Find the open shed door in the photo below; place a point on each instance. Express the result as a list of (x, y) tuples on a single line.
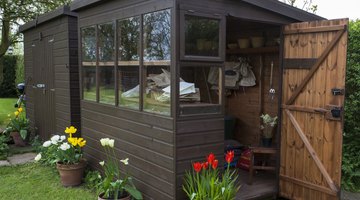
[(312, 109)]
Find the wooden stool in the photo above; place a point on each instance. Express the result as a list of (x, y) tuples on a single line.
[(259, 150)]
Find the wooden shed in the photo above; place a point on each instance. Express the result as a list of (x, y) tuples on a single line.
[(161, 76), (51, 72)]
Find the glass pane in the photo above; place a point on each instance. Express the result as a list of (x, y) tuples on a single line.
[(128, 70), (157, 53), (199, 90), (106, 42), (89, 83), (129, 90), (129, 39), (157, 90), (157, 32), (201, 36), (88, 44), (107, 85)]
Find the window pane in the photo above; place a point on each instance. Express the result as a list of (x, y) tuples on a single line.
[(106, 42), (157, 53), (89, 82), (88, 41), (201, 36), (157, 90), (199, 90), (107, 85), (157, 32), (128, 66)]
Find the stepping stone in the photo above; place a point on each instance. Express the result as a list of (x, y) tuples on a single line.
[(21, 158), (4, 163)]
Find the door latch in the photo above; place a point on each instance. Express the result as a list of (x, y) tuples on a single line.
[(337, 91), (336, 112)]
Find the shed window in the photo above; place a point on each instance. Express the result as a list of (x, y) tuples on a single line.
[(129, 62), (157, 53), (88, 41), (106, 46)]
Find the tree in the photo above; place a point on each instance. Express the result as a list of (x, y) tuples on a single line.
[(16, 12), (307, 5)]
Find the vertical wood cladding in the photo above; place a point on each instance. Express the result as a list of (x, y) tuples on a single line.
[(60, 28)]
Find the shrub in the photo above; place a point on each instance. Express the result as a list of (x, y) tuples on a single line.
[(7, 87), (351, 145), (4, 148)]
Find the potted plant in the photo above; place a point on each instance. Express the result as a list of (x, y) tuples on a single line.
[(18, 127), (267, 127), (113, 185), (205, 182), (67, 154)]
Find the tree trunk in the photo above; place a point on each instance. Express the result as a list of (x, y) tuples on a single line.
[(5, 42)]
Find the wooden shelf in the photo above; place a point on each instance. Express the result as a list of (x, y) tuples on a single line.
[(260, 50)]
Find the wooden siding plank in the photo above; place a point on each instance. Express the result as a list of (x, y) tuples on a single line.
[(153, 120)]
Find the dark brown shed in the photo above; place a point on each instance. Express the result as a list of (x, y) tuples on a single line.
[(162, 77), (51, 71)]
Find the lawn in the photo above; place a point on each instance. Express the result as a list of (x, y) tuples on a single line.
[(6, 107), (35, 181)]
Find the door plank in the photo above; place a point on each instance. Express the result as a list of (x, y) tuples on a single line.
[(308, 185), (315, 29), (312, 152), (315, 67)]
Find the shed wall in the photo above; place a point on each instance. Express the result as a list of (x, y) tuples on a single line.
[(63, 30), (146, 139)]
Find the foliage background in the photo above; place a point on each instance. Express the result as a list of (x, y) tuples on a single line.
[(7, 87), (351, 144)]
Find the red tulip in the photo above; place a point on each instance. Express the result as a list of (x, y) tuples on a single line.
[(210, 158), (215, 164), (229, 156), (205, 165), (197, 166)]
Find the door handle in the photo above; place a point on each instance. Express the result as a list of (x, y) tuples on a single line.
[(52, 89)]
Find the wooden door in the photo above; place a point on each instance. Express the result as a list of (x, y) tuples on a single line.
[(312, 109), (44, 92)]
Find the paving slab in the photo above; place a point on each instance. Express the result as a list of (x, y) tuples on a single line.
[(4, 163), (21, 158)]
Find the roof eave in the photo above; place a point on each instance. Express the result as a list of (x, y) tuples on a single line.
[(63, 10)]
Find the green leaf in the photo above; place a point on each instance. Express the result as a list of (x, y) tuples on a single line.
[(136, 194), (23, 134)]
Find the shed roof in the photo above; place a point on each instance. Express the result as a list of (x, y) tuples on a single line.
[(63, 10), (271, 5)]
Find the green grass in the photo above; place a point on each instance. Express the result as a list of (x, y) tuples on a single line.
[(6, 107), (35, 181)]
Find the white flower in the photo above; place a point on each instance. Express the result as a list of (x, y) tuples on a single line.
[(55, 139), (111, 142), (104, 141), (62, 138), (222, 190), (193, 195), (47, 143), (125, 161), (37, 157), (102, 163), (64, 146)]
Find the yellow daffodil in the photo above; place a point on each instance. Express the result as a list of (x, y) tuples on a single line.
[(73, 141), (16, 113), (70, 130), (20, 110), (81, 142)]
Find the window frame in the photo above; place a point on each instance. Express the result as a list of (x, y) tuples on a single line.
[(222, 34)]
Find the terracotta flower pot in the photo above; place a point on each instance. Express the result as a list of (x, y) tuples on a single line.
[(71, 175), (127, 197), (18, 141)]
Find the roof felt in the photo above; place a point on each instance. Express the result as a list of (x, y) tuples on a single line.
[(63, 10), (271, 5)]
